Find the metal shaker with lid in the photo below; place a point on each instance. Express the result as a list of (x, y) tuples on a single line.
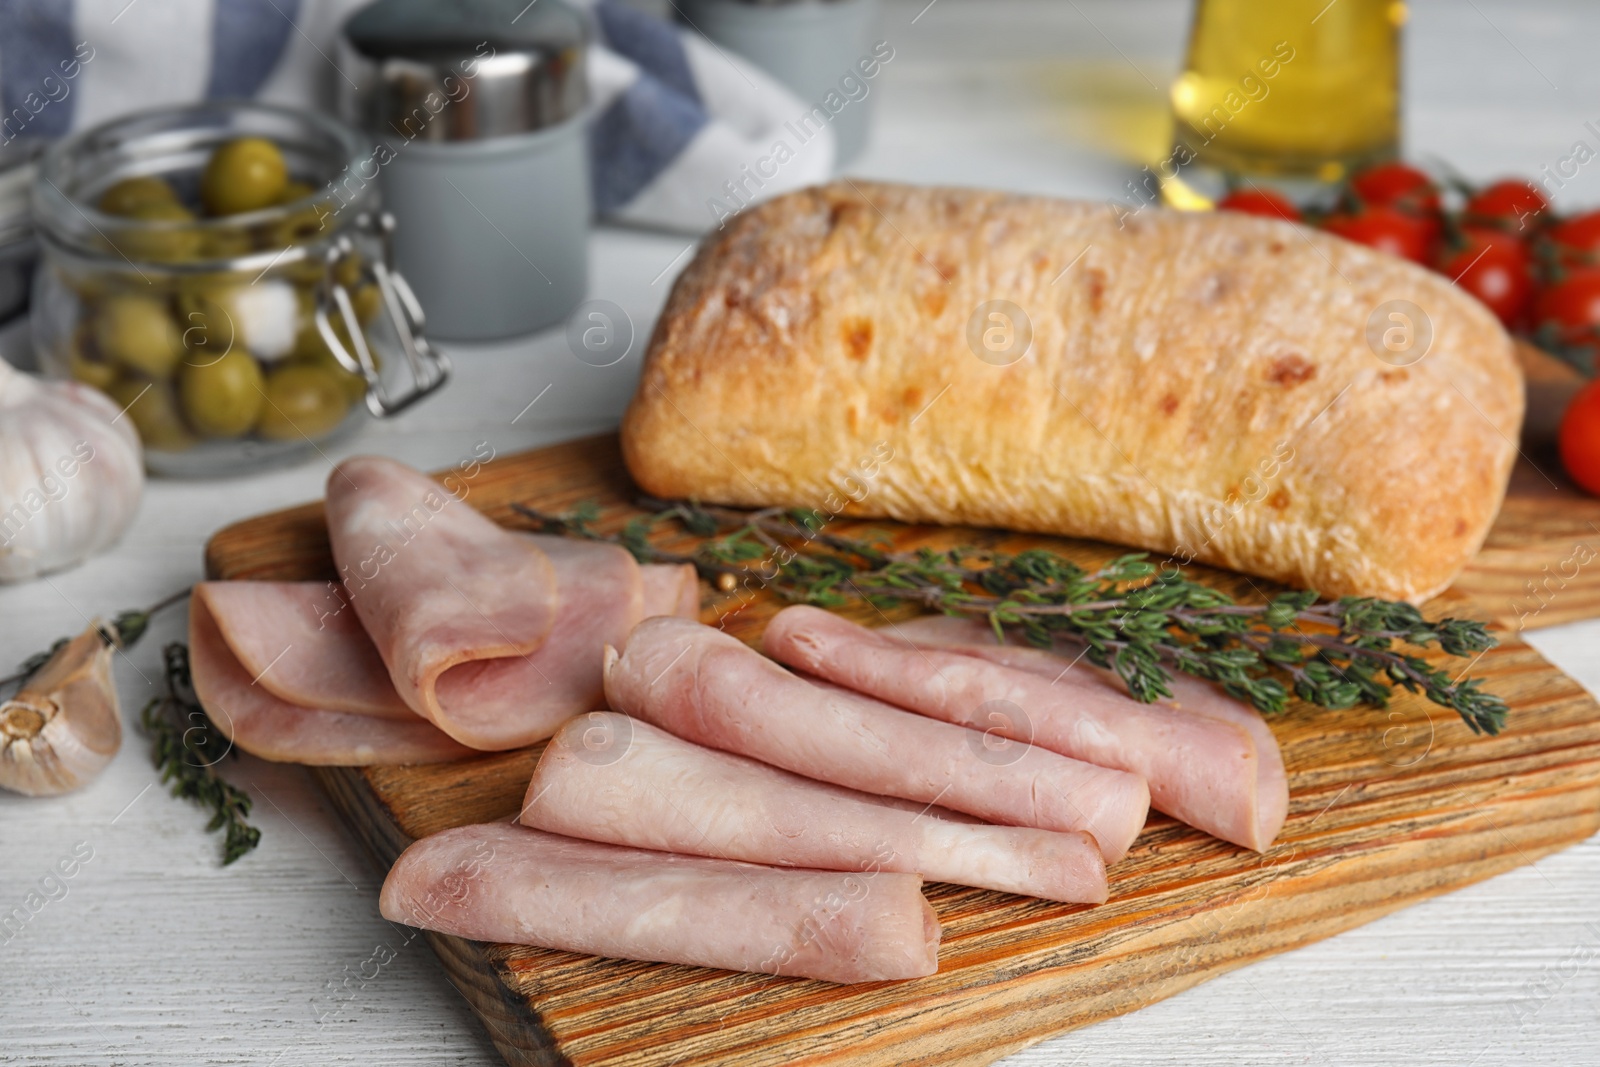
[(476, 107)]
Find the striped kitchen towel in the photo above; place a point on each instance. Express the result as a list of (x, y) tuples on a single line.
[(681, 133)]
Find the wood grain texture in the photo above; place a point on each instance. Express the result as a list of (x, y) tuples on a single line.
[(1540, 565), (1550, 385), (1387, 807)]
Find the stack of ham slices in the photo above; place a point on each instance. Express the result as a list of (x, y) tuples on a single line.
[(447, 633), (774, 813)]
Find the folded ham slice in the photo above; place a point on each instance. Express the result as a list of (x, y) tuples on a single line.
[(500, 882), (301, 642), (709, 688), (264, 725), (436, 585), (273, 630), (493, 636), (517, 700), (671, 589), (606, 777), (1202, 770), (1191, 695)]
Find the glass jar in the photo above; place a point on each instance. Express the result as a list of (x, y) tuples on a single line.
[(233, 341)]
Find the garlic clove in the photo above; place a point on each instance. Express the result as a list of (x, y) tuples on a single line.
[(64, 726)]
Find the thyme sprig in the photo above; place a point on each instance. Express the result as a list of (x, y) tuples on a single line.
[(1130, 615), (187, 746)]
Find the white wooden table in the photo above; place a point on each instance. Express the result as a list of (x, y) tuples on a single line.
[(156, 955)]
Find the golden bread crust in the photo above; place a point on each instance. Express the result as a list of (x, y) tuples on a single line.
[(1199, 385)]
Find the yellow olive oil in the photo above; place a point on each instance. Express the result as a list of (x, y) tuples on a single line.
[(1303, 88)]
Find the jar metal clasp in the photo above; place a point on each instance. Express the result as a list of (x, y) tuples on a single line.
[(429, 368)]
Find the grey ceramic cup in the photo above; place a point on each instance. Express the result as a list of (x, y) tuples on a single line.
[(494, 235), (811, 46), (478, 110)]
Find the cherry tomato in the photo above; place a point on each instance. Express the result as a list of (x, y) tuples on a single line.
[(1511, 202), (1572, 308), (1260, 202), (1579, 438), (1396, 185), (1495, 267), (1577, 239), (1387, 230)]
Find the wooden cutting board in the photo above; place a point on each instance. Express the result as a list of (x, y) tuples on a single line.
[(1387, 807), (1540, 565)]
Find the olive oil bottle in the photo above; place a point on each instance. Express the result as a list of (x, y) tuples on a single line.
[(1291, 88)]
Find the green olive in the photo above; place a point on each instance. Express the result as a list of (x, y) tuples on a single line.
[(308, 343), (305, 298), (150, 406), (297, 228), (197, 292), (130, 194), (310, 348), (367, 302), (243, 175), (137, 332), (88, 285), (306, 273), (91, 371), (208, 325), (303, 400), (165, 244), (347, 272), (226, 242), (222, 398), (84, 362)]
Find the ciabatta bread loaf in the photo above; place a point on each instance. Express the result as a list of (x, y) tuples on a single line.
[(1220, 387)]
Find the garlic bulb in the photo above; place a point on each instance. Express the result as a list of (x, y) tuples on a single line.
[(64, 726), (71, 472)]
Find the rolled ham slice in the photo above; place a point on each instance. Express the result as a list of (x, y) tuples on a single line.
[(707, 687), (671, 589), (1202, 770), (439, 587), (607, 777), (507, 883), (1189, 695), (263, 725), (302, 642)]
